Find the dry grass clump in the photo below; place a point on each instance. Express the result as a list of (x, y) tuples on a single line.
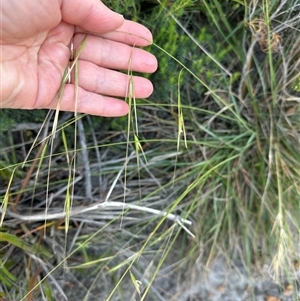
[(208, 168)]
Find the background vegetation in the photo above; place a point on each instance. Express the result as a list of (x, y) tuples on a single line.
[(206, 167)]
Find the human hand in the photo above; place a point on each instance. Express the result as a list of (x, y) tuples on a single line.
[(35, 42)]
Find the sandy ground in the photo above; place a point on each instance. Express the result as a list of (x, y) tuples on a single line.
[(217, 282)]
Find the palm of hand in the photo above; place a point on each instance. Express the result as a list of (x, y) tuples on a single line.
[(36, 57), (35, 42)]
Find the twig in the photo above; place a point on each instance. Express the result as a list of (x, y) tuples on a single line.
[(85, 160), (104, 205), (98, 154)]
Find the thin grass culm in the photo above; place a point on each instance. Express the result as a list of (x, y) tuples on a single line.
[(195, 195)]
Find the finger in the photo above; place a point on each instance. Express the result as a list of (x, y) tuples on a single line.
[(115, 55), (90, 103), (109, 82), (91, 15), (130, 33)]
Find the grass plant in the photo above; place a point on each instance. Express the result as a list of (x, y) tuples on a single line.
[(207, 166)]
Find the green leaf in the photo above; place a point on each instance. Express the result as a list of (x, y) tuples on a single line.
[(20, 243)]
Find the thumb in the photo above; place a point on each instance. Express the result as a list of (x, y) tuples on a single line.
[(90, 15)]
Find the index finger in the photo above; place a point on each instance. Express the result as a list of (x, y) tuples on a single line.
[(130, 33), (92, 15)]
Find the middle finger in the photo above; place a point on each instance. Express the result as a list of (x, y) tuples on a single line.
[(115, 55)]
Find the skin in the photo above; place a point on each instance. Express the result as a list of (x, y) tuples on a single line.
[(35, 39)]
